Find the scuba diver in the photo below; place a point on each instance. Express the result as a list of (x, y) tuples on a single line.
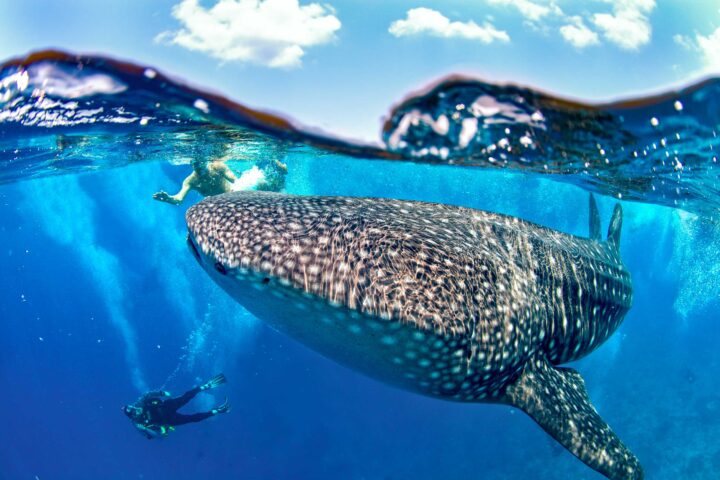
[(155, 414)]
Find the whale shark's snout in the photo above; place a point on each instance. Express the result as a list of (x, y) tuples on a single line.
[(254, 233), (210, 230)]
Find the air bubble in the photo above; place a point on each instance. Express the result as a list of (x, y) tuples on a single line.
[(201, 105)]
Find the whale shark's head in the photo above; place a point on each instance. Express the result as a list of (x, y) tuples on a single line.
[(262, 237), (267, 248), (222, 236), (351, 278)]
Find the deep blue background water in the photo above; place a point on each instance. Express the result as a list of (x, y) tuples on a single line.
[(99, 298)]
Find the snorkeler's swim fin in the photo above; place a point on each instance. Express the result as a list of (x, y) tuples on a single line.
[(224, 408), (216, 381)]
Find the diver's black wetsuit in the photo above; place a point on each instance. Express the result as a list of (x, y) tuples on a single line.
[(156, 413), (161, 411)]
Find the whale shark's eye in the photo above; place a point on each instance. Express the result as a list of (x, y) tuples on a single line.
[(265, 281), (220, 268)]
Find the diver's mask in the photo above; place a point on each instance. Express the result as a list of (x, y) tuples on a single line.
[(132, 411)]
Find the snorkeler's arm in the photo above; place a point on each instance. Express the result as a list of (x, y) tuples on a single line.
[(186, 186), (178, 197), (228, 174), (281, 166)]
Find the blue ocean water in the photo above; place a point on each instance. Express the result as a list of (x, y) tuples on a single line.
[(100, 300)]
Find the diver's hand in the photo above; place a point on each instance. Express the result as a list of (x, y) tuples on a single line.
[(148, 432), (163, 196)]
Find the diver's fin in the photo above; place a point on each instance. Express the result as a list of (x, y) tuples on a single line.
[(613, 238), (556, 399), (594, 219), (224, 408), (214, 382)]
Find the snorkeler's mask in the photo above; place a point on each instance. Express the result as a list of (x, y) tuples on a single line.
[(200, 166)]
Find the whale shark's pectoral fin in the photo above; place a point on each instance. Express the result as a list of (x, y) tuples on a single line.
[(557, 400)]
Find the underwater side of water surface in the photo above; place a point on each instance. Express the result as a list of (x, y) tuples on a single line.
[(99, 298)]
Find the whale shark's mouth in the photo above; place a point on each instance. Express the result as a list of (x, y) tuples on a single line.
[(219, 266), (193, 248)]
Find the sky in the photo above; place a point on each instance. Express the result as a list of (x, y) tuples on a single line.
[(340, 65)]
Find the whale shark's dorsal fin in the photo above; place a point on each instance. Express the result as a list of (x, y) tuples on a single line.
[(557, 400), (594, 219), (613, 238)]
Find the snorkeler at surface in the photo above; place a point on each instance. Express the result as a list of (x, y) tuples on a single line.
[(207, 178), (215, 178), (155, 414)]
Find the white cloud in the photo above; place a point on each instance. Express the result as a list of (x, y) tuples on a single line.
[(624, 23), (274, 33), (533, 11), (425, 21), (628, 26), (707, 45), (710, 49), (577, 34), (684, 41)]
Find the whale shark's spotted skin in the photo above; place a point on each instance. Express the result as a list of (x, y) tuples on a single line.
[(446, 301)]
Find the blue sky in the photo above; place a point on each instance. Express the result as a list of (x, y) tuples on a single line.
[(340, 65)]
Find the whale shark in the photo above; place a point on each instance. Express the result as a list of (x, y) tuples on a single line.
[(446, 301)]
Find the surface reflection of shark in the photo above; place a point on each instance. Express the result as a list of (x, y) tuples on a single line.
[(446, 301)]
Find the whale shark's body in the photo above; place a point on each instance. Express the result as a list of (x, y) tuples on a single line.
[(446, 301)]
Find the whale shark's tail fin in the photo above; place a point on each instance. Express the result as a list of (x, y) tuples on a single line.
[(613, 238), (594, 219), (557, 400)]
